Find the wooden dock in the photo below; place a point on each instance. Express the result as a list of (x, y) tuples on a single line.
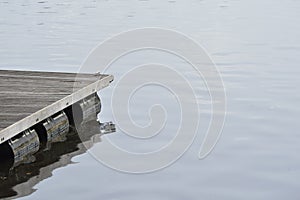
[(27, 98)]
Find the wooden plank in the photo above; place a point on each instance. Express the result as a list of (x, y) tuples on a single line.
[(28, 97)]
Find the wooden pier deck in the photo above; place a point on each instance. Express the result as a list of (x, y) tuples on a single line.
[(27, 97)]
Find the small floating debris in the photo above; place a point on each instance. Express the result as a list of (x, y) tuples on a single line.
[(107, 127)]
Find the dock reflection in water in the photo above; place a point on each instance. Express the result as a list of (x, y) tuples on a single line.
[(18, 181)]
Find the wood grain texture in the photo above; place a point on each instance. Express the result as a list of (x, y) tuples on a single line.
[(23, 93)]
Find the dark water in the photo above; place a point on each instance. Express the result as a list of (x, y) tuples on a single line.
[(18, 181), (255, 45)]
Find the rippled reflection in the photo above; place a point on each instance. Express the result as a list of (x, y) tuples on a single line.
[(19, 181)]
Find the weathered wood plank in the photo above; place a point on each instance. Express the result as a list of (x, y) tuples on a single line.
[(28, 97)]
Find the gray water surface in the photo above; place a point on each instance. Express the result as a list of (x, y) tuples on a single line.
[(256, 47)]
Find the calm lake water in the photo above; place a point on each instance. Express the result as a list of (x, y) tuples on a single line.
[(256, 47)]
